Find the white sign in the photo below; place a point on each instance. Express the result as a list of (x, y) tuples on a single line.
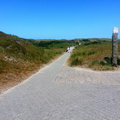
[(115, 30)]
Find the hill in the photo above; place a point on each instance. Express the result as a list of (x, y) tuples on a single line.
[(21, 57)]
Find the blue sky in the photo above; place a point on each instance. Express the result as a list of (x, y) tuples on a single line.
[(59, 19)]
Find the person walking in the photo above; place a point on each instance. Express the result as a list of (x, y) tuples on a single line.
[(68, 49)]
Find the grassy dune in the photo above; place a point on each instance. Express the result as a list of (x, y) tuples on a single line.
[(19, 57), (95, 55)]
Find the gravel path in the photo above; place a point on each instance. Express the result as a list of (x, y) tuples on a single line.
[(58, 92)]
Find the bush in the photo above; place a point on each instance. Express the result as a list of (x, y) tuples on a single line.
[(76, 61), (118, 61)]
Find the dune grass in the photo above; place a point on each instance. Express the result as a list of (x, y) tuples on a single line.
[(19, 57), (94, 55)]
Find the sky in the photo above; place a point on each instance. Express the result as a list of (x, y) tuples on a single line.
[(59, 19)]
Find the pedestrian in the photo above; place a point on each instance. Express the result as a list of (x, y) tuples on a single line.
[(68, 49)]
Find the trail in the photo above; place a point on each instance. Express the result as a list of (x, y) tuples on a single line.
[(58, 92)]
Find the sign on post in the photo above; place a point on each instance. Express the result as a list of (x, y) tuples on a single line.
[(115, 46), (115, 30)]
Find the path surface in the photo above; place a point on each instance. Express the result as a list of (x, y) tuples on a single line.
[(59, 92)]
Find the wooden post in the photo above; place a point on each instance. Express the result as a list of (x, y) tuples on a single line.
[(115, 46)]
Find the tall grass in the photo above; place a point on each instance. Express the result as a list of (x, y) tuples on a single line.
[(92, 56)]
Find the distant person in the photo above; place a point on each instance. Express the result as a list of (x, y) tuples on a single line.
[(68, 49)]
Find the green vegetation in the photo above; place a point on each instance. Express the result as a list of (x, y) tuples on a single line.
[(93, 54), (20, 57), (53, 43)]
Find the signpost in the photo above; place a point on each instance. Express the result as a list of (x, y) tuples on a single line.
[(115, 46)]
